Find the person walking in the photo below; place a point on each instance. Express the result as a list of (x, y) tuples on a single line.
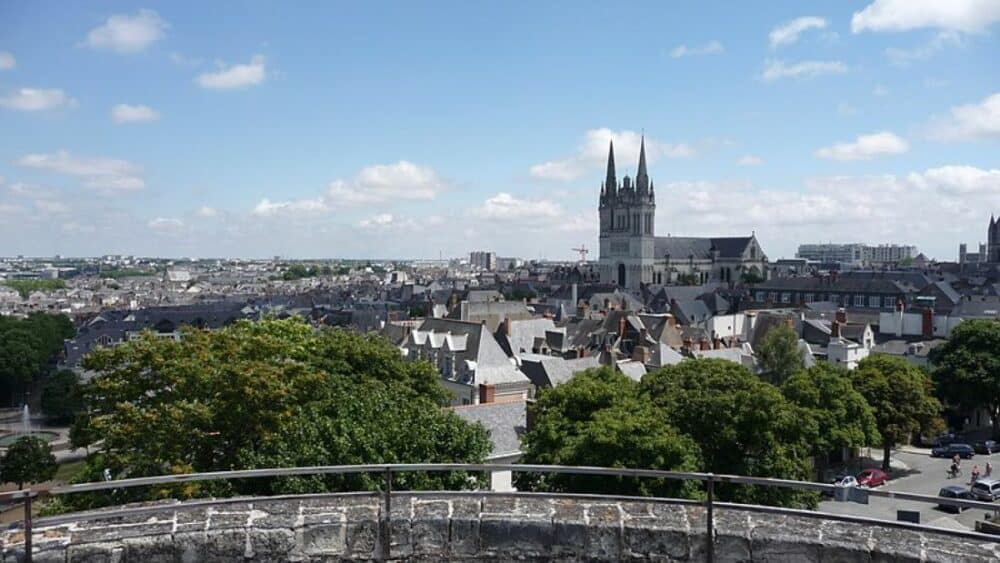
[(957, 459), (989, 469), (975, 474)]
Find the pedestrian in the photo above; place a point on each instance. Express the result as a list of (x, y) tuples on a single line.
[(989, 468), (975, 474), (957, 459)]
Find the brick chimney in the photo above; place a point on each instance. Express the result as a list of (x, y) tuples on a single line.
[(688, 343), (928, 323), (621, 327), (842, 316), (716, 341), (835, 329), (703, 345), (487, 393), (640, 354), (506, 326)]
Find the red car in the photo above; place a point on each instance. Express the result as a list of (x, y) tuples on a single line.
[(872, 478)]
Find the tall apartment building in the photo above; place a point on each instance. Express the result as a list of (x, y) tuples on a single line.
[(483, 259), (857, 254)]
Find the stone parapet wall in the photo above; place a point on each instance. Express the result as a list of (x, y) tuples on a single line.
[(479, 526)]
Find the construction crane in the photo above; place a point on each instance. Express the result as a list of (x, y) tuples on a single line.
[(583, 252)]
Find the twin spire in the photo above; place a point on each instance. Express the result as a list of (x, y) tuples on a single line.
[(642, 186)]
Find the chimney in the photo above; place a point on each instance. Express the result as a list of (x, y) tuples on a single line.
[(573, 294), (835, 329), (506, 326), (487, 393), (642, 335), (640, 354), (899, 318), (621, 327), (703, 345), (581, 352), (716, 341), (928, 323), (688, 343), (529, 418), (671, 321), (842, 316)]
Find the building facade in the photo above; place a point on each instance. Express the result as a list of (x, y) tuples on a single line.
[(857, 254), (632, 255), (484, 260)]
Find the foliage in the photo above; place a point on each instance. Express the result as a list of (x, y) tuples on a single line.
[(28, 345), (599, 418), (967, 368), (300, 271), (62, 397), (743, 426), (901, 397), (29, 286), (751, 277), (272, 392), (779, 354), (81, 433), (28, 460), (834, 414)]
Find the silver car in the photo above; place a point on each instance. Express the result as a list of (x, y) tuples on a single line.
[(986, 489)]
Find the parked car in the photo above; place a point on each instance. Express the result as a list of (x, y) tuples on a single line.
[(955, 492), (986, 447), (939, 441), (964, 451), (986, 489), (872, 478)]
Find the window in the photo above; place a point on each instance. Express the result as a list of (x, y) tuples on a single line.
[(785, 297), (808, 298), (761, 296), (772, 296), (873, 301), (859, 300), (889, 302)]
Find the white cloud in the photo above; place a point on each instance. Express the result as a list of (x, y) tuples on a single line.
[(180, 59), (387, 183), (866, 147), (380, 220), (776, 69), (37, 99), (7, 61), (505, 207), (235, 76), (904, 57), (593, 154), (958, 180), (711, 48), (971, 121), (166, 224), (206, 211), (967, 16), (51, 207), (789, 32), (124, 113), (268, 208), (880, 91), (100, 173), (750, 160), (128, 34)]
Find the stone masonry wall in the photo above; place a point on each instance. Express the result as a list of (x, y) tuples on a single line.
[(479, 526)]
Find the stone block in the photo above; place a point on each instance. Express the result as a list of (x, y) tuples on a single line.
[(507, 537), (95, 553), (151, 549), (271, 544), (362, 538), (224, 545), (324, 539)]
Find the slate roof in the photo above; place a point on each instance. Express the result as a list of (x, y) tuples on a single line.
[(506, 422), (682, 248), (549, 371)]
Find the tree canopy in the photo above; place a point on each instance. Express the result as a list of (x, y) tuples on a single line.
[(779, 354), (28, 346), (275, 392), (28, 460), (901, 397), (62, 397), (600, 418), (967, 368)]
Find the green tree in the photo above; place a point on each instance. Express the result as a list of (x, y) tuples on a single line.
[(62, 397), (28, 460), (81, 433), (743, 426), (599, 418), (967, 368), (901, 397), (260, 393), (779, 355), (834, 414), (21, 356)]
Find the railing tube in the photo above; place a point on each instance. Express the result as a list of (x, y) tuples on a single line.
[(387, 518), (27, 526), (710, 547)]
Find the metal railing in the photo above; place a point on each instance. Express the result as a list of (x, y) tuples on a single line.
[(388, 470)]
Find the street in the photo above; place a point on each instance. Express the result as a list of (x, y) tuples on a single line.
[(925, 475)]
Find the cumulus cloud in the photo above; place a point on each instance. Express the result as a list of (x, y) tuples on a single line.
[(711, 48), (958, 180), (750, 160), (971, 121), (504, 206), (268, 208), (106, 174), (37, 99), (125, 113), (905, 57), (775, 69), (387, 183), (967, 16), (124, 33), (866, 147), (206, 211), (230, 77), (788, 32), (7, 61), (593, 154), (166, 224), (380, 220)]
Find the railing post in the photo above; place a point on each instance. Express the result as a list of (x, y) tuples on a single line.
[(387, 518), (27, 526), (710, 548)]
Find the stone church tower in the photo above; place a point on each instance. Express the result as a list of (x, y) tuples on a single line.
[(627, 216), (992, 242)]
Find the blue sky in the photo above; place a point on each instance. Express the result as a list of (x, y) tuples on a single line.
[(411, 129)]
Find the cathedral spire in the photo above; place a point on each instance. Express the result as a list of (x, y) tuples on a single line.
[(641, 177), (611, 182)]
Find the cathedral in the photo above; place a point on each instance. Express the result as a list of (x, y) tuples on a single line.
[(631, 254)]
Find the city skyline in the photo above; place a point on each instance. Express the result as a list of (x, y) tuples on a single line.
[(341, 131)]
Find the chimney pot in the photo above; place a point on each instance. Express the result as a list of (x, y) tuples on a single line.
[(835, 329), (487, 393)]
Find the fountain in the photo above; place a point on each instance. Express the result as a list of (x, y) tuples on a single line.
[(26, 420)]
